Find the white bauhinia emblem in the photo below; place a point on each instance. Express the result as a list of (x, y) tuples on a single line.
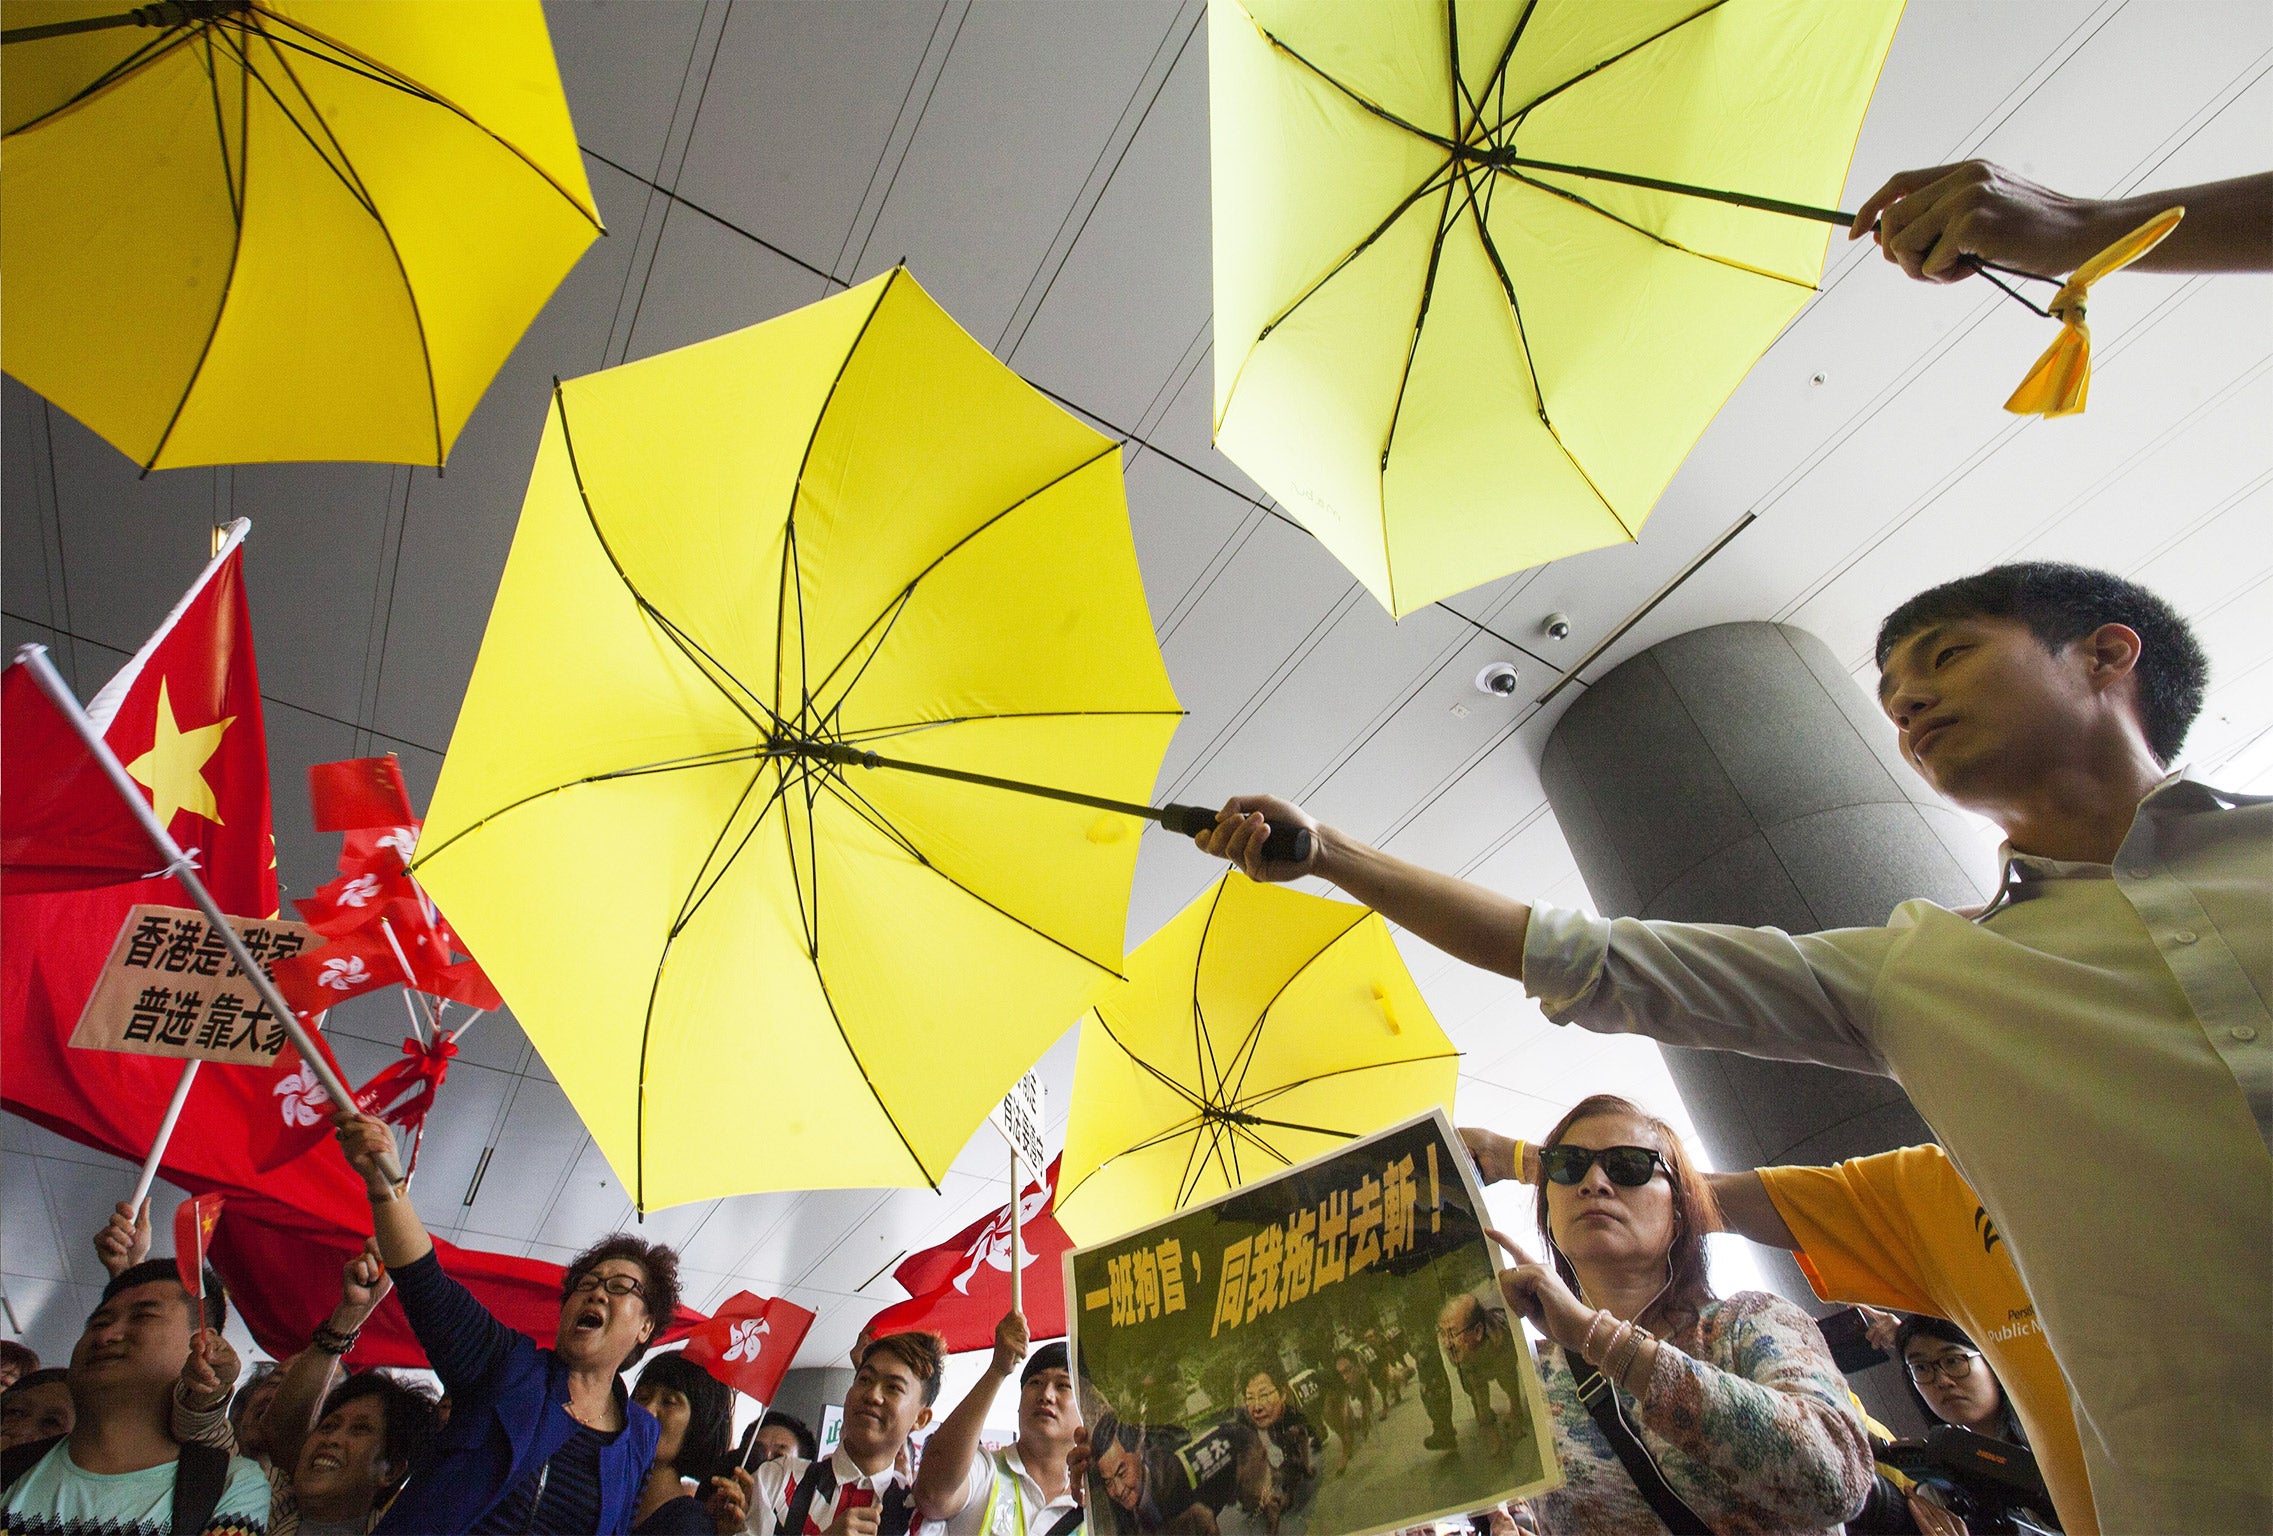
[(339, 975), (745, 1339), (404, 840), (305, 1101), (992, 1246), (359, 891)]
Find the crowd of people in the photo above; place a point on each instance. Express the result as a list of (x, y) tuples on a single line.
[(2084, 1264)]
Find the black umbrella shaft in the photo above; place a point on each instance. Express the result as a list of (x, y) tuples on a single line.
[(168, 13), (1286, 844), (1740, 199)]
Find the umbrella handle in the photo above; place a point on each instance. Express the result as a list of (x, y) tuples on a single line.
[(1285, 845)]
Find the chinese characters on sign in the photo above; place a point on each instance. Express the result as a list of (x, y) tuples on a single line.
[(1280, 1350), (170, 988)]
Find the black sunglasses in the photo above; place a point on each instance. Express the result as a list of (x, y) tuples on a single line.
[(1630, 1167)]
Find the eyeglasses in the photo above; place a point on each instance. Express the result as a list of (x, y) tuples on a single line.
[(1630, 1167), (1954, 1366), (614, 1285)]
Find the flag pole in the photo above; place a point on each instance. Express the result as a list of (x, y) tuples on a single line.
[(42, 670), (1017, 1270), (165, 1134)]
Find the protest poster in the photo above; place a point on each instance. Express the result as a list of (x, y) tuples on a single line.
[(1324, 1350), (170, 988)]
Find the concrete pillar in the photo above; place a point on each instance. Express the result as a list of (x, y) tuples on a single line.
[(808, 1389), (1736, 774)]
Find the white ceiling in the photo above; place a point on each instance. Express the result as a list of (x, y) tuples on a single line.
[(1043, 168)]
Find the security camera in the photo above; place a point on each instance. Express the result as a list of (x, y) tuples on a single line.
[(1557, 626), (1498, 679)]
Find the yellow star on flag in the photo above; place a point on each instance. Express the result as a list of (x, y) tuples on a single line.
[(173, 769)]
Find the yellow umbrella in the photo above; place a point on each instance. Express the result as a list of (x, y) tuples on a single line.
[(1484, 272), (744, 570), (1259, 1028), (240, 231)]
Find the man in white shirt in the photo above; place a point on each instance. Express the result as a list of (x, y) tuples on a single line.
[(858, 1491), (1022, 1489), (2094, 1049)]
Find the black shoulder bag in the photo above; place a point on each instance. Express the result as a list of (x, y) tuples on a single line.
[(1601, 1404)]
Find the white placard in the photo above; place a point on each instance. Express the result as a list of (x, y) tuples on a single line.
[(1020, 1117)]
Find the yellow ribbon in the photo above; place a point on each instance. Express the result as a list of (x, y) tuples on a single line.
[(2061, 379)]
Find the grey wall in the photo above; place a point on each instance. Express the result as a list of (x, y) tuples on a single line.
[(1736, 774), (805, 1392)]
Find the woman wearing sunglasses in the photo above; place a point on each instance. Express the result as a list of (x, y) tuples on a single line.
[(1673, 1409)]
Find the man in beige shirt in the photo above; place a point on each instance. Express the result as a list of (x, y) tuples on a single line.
[(2094, 1050)]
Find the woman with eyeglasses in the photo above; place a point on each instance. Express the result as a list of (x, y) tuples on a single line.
[(1673, 1409), (539, 1440), (1953, 1383)]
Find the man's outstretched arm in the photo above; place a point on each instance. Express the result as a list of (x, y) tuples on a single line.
[(1467, 921), (1745, 1206)]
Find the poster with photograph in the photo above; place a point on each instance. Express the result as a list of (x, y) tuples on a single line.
[(1324, 1350)]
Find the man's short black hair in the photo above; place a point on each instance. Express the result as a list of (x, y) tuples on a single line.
[(216, 1298), (49, 1375), (808, 1448), (1050, 1357), (2060, 603)]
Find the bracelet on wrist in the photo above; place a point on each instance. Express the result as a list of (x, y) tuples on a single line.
[(333, 1341), (1586, 1344)]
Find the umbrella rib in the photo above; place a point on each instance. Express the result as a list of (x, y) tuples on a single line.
[(1671, 245), (1164, 1079), (347, 172), (901, 599), (1444, 223), (1375, 108), (699, 893), (1523, 337), (821, 980), (1458, 86), (134, 63), (373, 69), (1203, 1049), (221, 133), (1269, 1094), (672, 765), (1262, 1016), (1525, 110), (1498, 81), (789, 573), (237, 195), (894, 609), (842, 789), (687, 645)]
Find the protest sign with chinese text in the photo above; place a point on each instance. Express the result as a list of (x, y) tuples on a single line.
[(169, 988), (1275, 1357)]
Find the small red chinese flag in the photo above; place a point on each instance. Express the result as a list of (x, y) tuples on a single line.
[(193, 1234), (749, 1343), (360, 792)]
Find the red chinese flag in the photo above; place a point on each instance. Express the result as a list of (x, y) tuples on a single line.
[(62, 825), (184, 717), (283, 1270), (961, 1288), (360, 792), (194, 1222), (749, 1343)]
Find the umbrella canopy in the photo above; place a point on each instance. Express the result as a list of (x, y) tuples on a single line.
[(1259, 1028), (751, 962), (280, 229), (1476, 288)]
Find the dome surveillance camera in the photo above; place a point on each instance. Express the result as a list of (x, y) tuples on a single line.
[(1557, 626), (1498, 679)]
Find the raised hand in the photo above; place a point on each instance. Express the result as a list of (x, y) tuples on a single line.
[(363, 1284), (1242, 825), (1010, 1341), (124, 1240), (1536, 1291), (368, 1143), (210, 1372), (729, 1501)]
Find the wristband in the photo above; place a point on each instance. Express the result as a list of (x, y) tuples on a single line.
[(1520, 1144), (333, 1342), (1626, 1351)]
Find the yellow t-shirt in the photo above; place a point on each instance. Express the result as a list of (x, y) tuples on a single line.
[(1904, 1231)]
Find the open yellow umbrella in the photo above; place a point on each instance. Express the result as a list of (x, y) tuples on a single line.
[(738, 810), (1483, 272), (239, 231), (1258, 1028)]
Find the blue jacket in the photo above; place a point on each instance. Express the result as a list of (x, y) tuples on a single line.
[(508, 1414)]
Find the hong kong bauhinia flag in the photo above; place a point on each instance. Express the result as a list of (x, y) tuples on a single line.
[(749, 1343), (961, 1288)]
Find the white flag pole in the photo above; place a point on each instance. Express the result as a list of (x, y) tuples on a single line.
[(177, 864), (165, 1134), (1017, 1269)]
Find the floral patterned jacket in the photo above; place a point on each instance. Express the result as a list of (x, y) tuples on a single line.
[(1746, 1417)]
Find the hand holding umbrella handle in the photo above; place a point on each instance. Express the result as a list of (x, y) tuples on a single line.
[(1285, 845)]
